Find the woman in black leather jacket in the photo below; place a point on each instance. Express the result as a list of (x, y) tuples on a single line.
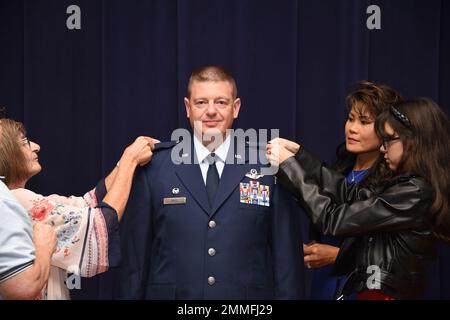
[(390, 227), (360, 160)]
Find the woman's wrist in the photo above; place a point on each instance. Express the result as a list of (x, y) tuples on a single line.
[(285, 163), (127, 161)]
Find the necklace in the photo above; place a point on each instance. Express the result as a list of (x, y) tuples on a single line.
[(359, 174)]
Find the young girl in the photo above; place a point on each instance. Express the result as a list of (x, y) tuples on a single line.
[(389, 227)]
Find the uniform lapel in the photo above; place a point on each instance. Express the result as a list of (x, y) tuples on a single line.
[(233, 172), (191, 177), (231, 176)]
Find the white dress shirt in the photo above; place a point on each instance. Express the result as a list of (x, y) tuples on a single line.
[(221, 156)]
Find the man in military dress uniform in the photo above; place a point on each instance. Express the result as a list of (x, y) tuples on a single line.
[(212, 228)]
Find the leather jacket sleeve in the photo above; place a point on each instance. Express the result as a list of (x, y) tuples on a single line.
[(341, 209)]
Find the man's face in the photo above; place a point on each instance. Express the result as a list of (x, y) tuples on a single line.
[(212, 106)]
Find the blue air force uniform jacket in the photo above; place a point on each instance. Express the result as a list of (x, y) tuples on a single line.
[(175, 245)]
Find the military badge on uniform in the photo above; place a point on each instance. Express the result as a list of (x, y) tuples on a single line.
[(253, 174), (253, 192)]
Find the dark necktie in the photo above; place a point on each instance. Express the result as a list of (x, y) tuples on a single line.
[(212, 178)]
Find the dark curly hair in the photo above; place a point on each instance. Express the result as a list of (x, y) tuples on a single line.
[(375, 98)]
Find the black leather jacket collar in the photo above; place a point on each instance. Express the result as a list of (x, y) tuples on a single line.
[(386, 230)]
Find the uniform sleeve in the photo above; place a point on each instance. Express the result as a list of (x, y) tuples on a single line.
[(87, 232), (136, 241), (286, 246), (327, 198), (16, 241)]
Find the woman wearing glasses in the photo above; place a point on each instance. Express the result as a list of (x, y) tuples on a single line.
[(361, 161), (390, 227), (86, 227)]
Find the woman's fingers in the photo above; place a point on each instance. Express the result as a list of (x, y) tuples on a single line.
[(273, 156), (44, 237), (292, 146), (308, 249), (277, 151), (145, 156), (289, 145), (151, 141), (311, 261), (144, 141), (318, 254), (273, 152), (140, 151), (310, 258)]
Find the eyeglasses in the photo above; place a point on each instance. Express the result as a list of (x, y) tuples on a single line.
[(385, 141), (26, 142)]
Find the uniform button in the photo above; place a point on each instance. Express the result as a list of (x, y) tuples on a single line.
[(212, 252), (211, 280), (212, 224)]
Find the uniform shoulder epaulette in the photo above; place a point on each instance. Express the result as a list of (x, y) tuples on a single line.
[(164, 145)]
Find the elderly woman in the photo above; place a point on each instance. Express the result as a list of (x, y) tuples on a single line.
[(86, 227)]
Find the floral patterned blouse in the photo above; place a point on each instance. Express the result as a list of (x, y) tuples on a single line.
[(87, 233)]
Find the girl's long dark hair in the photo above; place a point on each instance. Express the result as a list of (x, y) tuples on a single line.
[(426, 153)]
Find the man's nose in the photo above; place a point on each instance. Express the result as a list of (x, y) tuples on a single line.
[(211, 109)]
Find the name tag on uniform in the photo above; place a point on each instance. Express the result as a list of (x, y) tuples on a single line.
[(175, 200), (253, 192)]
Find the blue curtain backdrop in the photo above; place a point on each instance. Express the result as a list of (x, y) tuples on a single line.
[(86, 94)]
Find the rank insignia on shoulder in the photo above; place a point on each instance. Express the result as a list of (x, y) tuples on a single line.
[(254, 193), (253, 174)]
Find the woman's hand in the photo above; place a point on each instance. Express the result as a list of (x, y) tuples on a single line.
[(278, 150), (291, 146), (318, 255), (140, 151), (44, 238), (29, 283), (118, 182)]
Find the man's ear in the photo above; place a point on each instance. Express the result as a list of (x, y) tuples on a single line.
[(236, 107), (187, 106)]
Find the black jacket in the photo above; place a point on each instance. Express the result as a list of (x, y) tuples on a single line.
[(387, 232)]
